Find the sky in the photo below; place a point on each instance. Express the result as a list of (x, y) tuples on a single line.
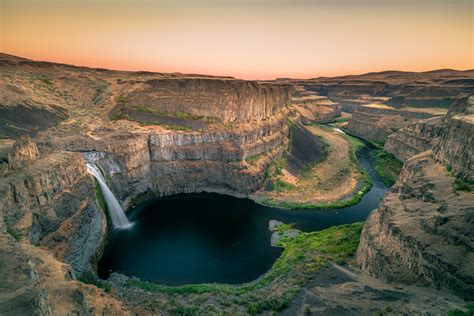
[(249, 39)]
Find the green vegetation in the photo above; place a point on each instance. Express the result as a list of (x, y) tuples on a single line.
[(463, 185), (387, 166), (45, 80), (91, 278), (279, 185), (303, 256), (177, 114), (121, 99), (100, 196), (252, 160), (99, 90), (458, 312), (16, 235), (460, 184), (385, 311), (342, 119), (365, 183)]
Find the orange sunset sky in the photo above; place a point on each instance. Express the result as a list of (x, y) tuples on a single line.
[(259, 39)]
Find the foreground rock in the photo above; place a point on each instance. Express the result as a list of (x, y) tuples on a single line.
[(345, 290)]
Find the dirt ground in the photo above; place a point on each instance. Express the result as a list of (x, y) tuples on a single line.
[(334, 178)]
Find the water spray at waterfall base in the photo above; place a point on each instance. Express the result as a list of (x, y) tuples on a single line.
[(117, 215)]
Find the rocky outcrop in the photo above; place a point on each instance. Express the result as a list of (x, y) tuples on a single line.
[(36, 283), (173, 162), (311, 108), (22, 153), (398, 89), (456, 146), (377, 124), (228, 100), (451, 137), (414, 139), (38, 201), (422, 230)]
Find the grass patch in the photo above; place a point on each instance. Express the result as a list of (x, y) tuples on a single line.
[(178, 114), (458, 312), (279, 185), (386, 165), (342, 120), (363, 178), (45, 80), (121, 99), (14, 233), (302, 257), (463, 185), (99, 91)]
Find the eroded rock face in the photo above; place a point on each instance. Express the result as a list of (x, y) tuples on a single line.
[(23, 152), (44, 202), (456, 146), (377, 124), (229, 100), (173, 162), (50, 217), (414, 139), (422, 231)]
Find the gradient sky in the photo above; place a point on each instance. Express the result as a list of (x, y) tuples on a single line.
[(251, 39)]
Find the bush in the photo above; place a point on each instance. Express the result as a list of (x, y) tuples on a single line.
[(387, 166), (16, 235)]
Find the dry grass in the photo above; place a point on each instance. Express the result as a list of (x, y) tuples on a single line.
[(335, 178)]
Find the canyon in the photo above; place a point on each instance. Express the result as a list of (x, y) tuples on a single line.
[(156, 135)]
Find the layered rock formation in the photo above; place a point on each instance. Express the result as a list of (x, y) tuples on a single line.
[(228, 100), (377, 122), (312, 108), (50, 215), (398, 89), (422, 231)]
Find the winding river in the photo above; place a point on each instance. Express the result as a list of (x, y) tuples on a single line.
[(205, 238)]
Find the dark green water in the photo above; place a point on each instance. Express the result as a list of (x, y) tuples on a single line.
[(204, 238)]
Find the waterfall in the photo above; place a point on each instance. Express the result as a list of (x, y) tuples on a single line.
[(117, 215)]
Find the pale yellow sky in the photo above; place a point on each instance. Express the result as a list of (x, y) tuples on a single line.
[(258, 39)]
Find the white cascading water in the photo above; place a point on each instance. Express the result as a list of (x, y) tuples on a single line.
[(117, 215)]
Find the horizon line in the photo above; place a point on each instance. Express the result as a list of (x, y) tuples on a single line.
[(233, 76)]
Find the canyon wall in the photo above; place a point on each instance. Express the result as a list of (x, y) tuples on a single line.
[(173, 162), (52, 221), (422, 230), (228, 100), (377, 124)]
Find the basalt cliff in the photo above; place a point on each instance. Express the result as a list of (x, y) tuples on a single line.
[(422, 231), (196, 135)]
